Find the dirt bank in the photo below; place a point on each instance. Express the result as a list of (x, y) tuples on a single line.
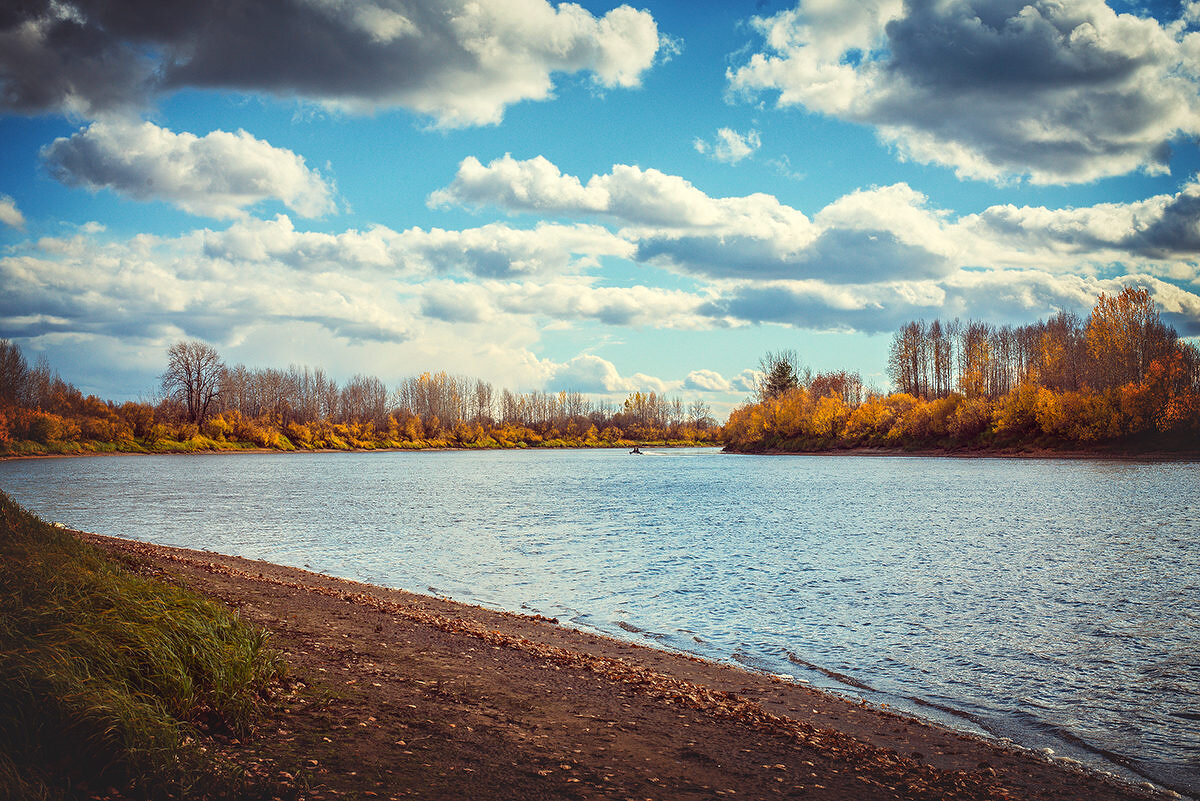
[(403, 695)]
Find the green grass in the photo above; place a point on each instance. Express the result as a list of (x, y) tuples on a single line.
[(106, 677)]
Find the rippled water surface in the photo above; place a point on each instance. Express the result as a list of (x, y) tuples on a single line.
[(1056, 602)]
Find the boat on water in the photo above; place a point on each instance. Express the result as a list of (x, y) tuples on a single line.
[(636, 450)]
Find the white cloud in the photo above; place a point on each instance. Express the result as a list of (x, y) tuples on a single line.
[(575, 299), (376, 285), (1057, 90), (454, 302), (531, 185), (998, 296), (730, 146), (627, 193), (1159, 235), (748, 380), (462, 62), (491, 251), (882, 234), (707, 381), (647, 200), (10, 215), (216, 175), (592, 374)]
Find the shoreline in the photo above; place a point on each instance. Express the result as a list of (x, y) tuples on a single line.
[(547, 710), (4, 457), (1037, 453), (984, 453)]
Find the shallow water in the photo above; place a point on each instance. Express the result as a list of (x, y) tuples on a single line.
[(1051, 601)]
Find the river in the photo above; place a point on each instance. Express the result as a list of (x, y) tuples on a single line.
[(1053, 602)]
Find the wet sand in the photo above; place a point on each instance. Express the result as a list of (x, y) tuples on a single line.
[(396, 695)]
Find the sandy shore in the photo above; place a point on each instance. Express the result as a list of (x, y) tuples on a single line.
[(400, 695)]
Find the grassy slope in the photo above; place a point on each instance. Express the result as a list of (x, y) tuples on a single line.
[(105, 675)]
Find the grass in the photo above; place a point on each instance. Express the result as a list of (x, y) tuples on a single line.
[(107, 678)]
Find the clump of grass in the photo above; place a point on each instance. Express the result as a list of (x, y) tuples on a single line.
[(105, 675)]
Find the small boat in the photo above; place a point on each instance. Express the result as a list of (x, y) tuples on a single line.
[(636, 450)]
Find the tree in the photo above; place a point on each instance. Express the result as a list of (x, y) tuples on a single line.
[(909, 360), (1124, 335), (700, 414), (193, 376), (780, 373), (14, 372), (975, 360)]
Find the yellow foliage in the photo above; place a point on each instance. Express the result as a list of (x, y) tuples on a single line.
[(829, 417), (1017, 412)]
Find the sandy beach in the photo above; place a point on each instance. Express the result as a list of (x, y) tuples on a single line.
[(396, 695)]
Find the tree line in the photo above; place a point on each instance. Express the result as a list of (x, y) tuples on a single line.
[(204, 403), (1113, 347), (1121, 377)]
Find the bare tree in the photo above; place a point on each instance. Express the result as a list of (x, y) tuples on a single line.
[(700, 414), (193, 376), (14, 373)]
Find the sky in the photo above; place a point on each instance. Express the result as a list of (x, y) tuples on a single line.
[(594, 197)]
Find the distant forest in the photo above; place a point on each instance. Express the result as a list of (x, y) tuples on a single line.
[(203, 404), (1119, 380)]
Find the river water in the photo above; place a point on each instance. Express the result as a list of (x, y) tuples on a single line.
[(1053, 602)]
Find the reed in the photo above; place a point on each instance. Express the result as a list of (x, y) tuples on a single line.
[(107, 676)]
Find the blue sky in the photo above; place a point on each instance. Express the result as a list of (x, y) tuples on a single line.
[(598, 197)]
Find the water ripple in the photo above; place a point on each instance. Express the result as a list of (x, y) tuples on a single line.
[(1055, 602)]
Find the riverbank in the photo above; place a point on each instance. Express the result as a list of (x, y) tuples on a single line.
[(30, 450), (400, 695), (1115, 454)]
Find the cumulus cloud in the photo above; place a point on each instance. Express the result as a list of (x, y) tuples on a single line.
[(491, 251), (453, 302), (565, 299), (748, 380), (1001, 296), (148, 286), (10, 215), (462, 62), (881, 234), (871, 259), (729, 146), (1057, 90), (590, 373), (707, 381), (561, 300), (1159, 235), (628, 193), (216, 175), (643, 199), (373, 285)]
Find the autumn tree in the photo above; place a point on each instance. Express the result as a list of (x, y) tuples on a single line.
[(1124, 335), (842, 384), (780, 372), (193, 377), (1060, 352), (975, 360)]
